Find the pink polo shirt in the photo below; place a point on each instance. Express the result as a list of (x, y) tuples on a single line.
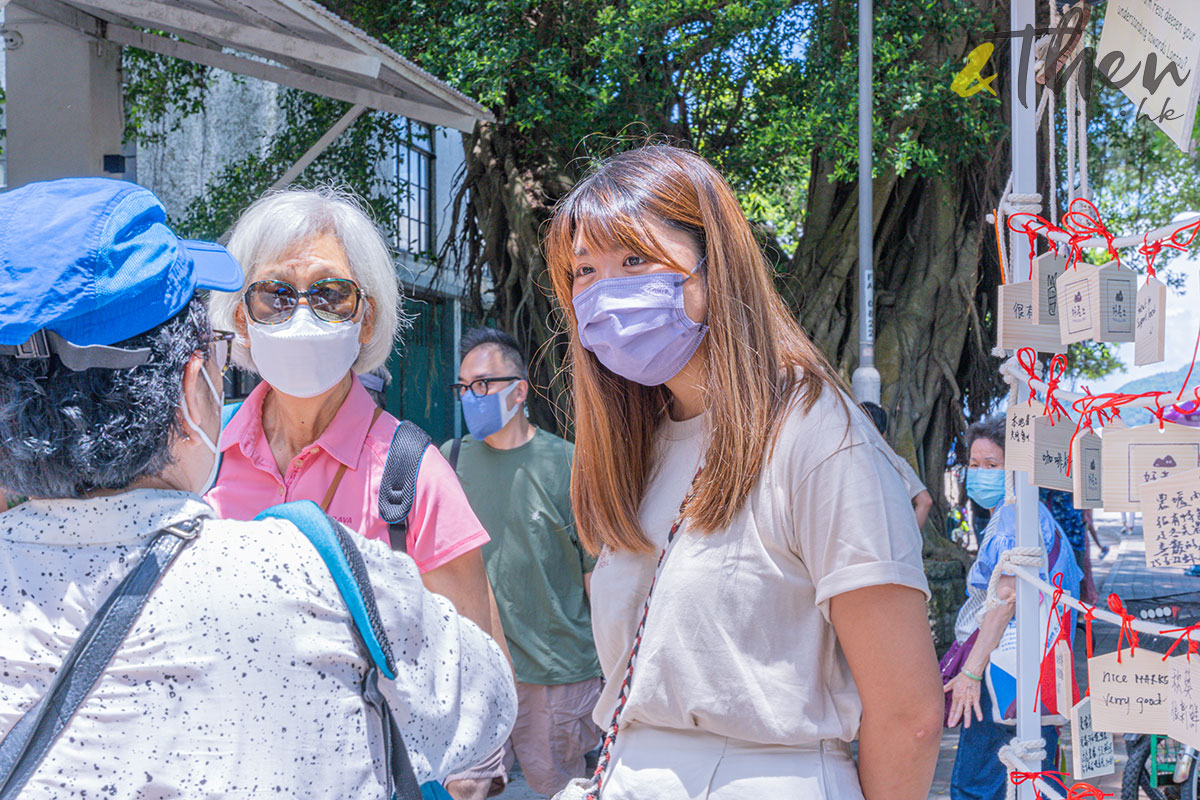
[(441, 525)]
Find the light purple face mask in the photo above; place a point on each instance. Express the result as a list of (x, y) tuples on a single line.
[(637, 326)]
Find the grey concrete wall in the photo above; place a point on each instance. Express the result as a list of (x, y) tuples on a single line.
[(240, 116), (63, 100)]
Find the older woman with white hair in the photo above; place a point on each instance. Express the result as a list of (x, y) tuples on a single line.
[(320, 306)]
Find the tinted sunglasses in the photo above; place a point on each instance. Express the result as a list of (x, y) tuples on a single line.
[(331, 299)]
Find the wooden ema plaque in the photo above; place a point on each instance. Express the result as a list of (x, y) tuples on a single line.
[(1149, 343), (1136, 456), (1097, 303), (1016, 324), (1171, 521), (1183, 721), (1018, 434), (1129, 696), (1046, 269), (1091, 750), (1052, 454), (1087, 465)]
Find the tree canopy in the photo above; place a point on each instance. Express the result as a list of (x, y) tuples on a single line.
[(766, 89)]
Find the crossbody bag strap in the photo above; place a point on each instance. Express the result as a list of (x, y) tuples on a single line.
[(341, 470), (611, 736), (26, 745)]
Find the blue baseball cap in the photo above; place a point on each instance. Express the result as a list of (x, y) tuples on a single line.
[(90, 262)]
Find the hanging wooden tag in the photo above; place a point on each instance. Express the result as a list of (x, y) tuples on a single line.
[(1064, 677), (1092, 752), (1135, 456), (1171, 520), (1183, 715), (1051, 454), (1129, 696), (1150, 334), (1118, 302), (1016, 325), (1018, 433), (1079, 316), (1097, 303), (1086, 470), (1046, 269)]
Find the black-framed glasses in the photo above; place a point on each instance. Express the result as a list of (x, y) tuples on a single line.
[(222, 344), (480, 387), (274, 302)]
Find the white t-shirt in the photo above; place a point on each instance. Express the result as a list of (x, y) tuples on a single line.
[(241, 676), (738, 640)]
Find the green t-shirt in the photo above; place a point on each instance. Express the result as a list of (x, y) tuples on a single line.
[(534, 560)]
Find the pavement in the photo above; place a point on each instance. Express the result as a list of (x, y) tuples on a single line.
[(1123, 572)]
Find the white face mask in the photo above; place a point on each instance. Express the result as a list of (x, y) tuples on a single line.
[(187, 416), (305, 356)]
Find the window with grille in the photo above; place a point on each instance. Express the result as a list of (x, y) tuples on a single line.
[(414, 177)]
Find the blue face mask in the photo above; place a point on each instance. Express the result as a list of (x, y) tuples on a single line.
[(985, 486), (488, 414)]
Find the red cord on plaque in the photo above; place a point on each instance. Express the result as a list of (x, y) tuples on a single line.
[(1084, 225), (1030, 228), (1085, 791), (1018, 778), (1184, 634), (1127, 632)]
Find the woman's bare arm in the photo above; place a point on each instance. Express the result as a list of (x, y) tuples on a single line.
[(884, 632)]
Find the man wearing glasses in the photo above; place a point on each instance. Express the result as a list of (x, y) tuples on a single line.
[(517, 478)]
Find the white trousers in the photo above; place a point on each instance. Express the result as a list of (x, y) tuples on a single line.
[(695, 765)]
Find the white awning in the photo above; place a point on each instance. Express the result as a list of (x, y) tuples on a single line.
[(305, 46)]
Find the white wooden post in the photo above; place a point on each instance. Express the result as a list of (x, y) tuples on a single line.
[(1024, 158)]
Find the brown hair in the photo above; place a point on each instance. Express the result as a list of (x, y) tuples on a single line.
[(750, 352)]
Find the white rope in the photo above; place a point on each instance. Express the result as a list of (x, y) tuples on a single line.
[(1008, 561), (1017, 756), (1052, 134)]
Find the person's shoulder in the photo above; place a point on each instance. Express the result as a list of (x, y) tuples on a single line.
[(552, 443), (379, 439), (818, 423)]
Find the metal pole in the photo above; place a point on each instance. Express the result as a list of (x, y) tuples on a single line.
[(866, 381), (1024, 159)]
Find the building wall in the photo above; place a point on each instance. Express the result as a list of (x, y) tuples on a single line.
[(240, 116)]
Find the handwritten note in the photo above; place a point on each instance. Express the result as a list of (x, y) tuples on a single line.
[(1077, 299), (1171, 519), (1131, 696), (1017, 325), (1046, 269), (1183, 722), (1018, 449), (1149, 343), (1087, 469), (1052, 453), (1145, 454), (1091, 750)]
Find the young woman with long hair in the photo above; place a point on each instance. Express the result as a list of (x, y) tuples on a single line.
[(788, 613)]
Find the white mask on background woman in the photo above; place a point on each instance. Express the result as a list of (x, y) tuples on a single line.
[(305, 356)]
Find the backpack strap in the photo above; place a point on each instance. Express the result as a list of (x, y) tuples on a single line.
[(227, 412), (333, 543), (25, 746), (398, 488), (454, 450), (345, 563)]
